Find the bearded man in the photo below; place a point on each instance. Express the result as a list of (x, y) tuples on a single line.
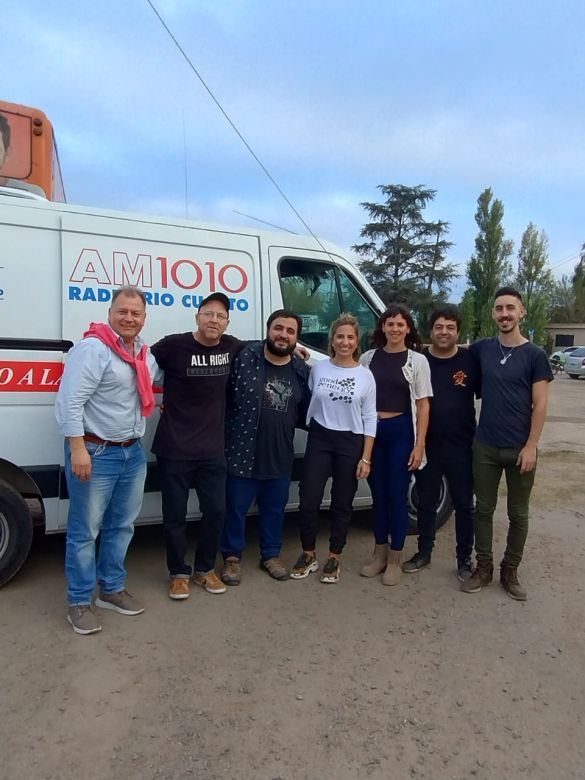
[(267, 398)]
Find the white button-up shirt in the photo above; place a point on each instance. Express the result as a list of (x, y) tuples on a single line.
[(99, 393)]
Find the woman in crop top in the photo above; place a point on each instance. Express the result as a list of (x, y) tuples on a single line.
[(403, 389), (342, 425)]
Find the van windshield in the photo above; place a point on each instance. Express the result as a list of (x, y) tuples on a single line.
[(319, 292)]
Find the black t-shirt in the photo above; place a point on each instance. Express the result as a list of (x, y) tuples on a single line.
[(456, 384), (281, 395), (392, 390), (506, 390), (191, 426)]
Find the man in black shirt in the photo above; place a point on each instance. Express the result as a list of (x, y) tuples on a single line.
[(267, 398), (455, 381), (515, 375), (189, 440)]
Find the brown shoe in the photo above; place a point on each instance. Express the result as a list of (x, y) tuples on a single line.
[(179, 588), (377, 562), (210, 582), (276, 569), (482, 576), (394, 568), (231, 574), (510, 583)]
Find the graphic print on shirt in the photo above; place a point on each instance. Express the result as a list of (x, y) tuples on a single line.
[(460, 379), (209, 365), (276, 394), (339, 389)]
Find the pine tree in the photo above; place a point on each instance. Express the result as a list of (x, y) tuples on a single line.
[(405, 254)]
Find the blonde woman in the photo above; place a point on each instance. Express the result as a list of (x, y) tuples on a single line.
[(342, 425)]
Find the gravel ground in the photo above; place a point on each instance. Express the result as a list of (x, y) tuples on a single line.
[(299, 680)]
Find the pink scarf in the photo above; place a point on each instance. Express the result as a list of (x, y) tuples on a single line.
[(105, 334)]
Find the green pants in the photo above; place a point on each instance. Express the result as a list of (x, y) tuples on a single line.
[(488, 464)]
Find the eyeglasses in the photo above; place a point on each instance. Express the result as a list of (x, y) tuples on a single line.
[(214, 315)]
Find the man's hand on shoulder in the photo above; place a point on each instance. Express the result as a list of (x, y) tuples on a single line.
[(302, 352), (527, 459)]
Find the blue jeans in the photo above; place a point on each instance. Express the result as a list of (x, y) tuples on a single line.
[(109, 502), (272, 497), (390, 478)]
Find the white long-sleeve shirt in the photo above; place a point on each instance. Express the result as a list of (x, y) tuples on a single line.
[(343, 399)]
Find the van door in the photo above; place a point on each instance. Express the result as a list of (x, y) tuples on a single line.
[(319, 287)]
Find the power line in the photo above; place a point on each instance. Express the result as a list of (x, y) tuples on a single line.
[(566, 260), (233, 126), (264, 222)]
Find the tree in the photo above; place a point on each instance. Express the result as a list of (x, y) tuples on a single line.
[(404, 254), (579, 288), (488, 267), (562, 300), (467, 314), (535, 281)]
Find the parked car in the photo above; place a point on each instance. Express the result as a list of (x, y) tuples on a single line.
[(575, 363), (562, 354)]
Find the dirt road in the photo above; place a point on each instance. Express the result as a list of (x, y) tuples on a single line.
[(298, 680)]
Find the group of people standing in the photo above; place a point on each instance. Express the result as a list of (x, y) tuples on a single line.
[(229, 413)]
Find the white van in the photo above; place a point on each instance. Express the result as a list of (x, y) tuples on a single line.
[(58, 267)]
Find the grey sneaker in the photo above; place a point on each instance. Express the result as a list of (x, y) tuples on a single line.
[(83, 619), (416, 563), (276, 568), (121, 602), (464, 570)]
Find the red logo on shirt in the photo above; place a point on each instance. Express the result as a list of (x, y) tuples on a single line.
[(460, 379)]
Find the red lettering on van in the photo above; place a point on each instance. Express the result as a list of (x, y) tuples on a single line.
[(19, 376)]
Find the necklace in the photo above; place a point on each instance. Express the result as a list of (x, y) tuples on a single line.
[(505, 355)]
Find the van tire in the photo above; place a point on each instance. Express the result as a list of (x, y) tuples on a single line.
[(16, 531), (445, 510)]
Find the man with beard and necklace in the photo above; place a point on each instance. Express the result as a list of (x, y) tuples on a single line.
[(267, 398), (514, 378)]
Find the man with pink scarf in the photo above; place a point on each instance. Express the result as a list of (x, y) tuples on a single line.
[(104, 398)]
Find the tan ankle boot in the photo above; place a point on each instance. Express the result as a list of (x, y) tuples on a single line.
[(377, 563), (394, 568)]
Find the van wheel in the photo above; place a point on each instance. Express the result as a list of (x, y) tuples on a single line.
[(574, 376), (444, 510), (16, 531)]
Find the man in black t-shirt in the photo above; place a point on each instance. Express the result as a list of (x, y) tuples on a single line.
[(456, 384), (189, 440), (514, 378), (267, 398)]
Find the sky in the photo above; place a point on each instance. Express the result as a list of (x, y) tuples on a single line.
[(334, 96)]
